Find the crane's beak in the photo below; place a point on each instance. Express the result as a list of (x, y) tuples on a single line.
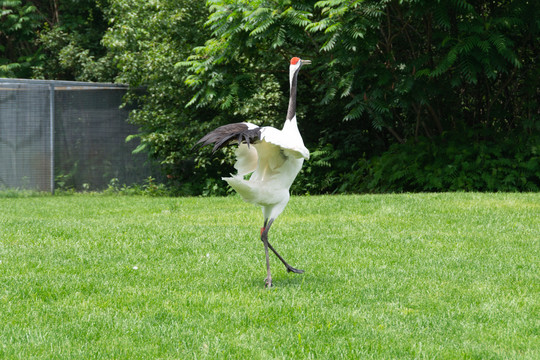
[(306, 62)]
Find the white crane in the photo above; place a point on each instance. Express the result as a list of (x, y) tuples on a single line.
[(273, 158)]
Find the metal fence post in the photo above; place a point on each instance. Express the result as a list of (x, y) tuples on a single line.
[(51, 126)]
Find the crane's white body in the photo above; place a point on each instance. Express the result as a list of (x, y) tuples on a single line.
[(273, 162)]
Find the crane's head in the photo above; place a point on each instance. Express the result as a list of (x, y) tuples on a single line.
[(296, 64)]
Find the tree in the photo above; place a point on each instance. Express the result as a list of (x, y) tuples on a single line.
[(71, 42), (412, 69), (147, 40), (54, 40), (18, 24)]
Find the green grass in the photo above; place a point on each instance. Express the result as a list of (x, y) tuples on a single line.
[(438, 276)]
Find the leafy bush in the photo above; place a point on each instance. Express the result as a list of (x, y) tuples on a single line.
[(455, 163), (18, 24), (148, 188)]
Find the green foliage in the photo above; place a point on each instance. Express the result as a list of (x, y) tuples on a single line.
[(384, 73), (146, 41), (18, 24), (72, 43), (54, 40), (149, 188), (68, 58), (457, 163), (391, 71)]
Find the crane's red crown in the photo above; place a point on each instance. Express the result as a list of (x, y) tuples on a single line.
[(295, 60)]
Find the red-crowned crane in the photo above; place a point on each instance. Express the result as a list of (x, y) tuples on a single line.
[(273, 158)]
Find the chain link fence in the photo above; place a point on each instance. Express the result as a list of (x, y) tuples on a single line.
[(58, 134)]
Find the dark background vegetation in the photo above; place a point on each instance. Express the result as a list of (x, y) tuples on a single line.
[(411, 95)]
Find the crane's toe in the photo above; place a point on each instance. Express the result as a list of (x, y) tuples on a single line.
[(296, 271)]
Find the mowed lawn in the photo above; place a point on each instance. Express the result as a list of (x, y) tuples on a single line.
[(435, 276)]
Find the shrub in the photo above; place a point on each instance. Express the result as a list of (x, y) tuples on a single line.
[(457, 162)]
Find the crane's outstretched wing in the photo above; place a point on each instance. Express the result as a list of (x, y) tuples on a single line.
[(247, 133), (223, 135), (288, 142)]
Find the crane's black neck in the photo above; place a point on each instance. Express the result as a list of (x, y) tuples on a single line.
[(291, 112)]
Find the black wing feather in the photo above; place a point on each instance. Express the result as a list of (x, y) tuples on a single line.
[(225, 134)]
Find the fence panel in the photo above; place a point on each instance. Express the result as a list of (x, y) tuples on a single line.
[(25, 133), (66, 134)]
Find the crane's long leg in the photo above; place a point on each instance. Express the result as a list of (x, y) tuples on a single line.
[(264, 238), (264, 231)]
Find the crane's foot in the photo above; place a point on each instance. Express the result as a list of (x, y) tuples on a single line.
[(268, 282), (296, 271)]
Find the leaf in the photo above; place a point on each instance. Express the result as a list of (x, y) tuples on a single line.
[(355, 113), (263, 26), (140, 148), (330, 43)]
